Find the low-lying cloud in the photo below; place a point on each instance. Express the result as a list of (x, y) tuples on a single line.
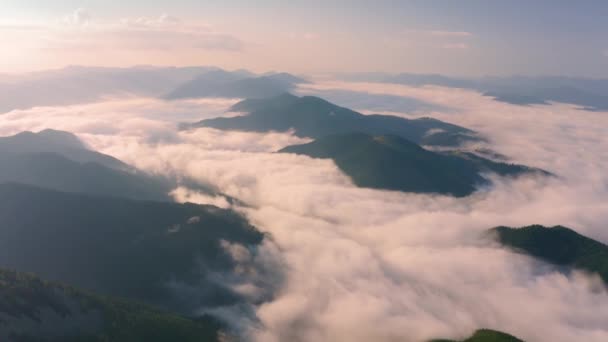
[(363, 264)]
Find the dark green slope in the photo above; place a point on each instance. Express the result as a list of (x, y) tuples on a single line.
[(314, 117), (557, 245), (163, 253), (34, 310), (486, 335), (59, 160), (393, 163)]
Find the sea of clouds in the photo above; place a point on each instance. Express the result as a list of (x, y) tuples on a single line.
[(363, 264)]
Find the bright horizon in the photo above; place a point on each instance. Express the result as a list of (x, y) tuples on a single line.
[(463, 38)]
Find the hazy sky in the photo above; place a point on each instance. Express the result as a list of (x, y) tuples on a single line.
[(458, 37)]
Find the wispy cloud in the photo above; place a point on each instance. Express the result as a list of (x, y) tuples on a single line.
[(84, 38), (433, 39), (150, 33), (438, 33), (456, 46), (449, 33)]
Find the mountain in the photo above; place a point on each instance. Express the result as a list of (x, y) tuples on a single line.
[(59, 160), (232, 85), (34, 310), (58, 142), (314, 117), (393, 163), (557, 245), (53, 171), (78, 84), (486, 335), (167, 254), (589, 93), (562, 94)]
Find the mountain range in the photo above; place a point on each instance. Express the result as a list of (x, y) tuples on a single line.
[(59, 160), (588, 93), (233, 85), (391, 162), (313, 117), (80, 84), (122, 262)]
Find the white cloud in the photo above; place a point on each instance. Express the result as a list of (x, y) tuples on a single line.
[(148, 22), (375, 265), (185, 195), (77, 34), (159, 33)]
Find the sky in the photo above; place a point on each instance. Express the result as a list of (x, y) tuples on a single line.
[(356, 263), (452, 37)]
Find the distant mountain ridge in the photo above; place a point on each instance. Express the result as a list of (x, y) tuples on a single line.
[(314, 117), (393, 163), (591, 94), (59, 160), (82, 84), (232, 85), (60, 142)]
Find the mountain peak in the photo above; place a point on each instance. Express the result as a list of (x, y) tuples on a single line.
[(46, 137), (314, 117)]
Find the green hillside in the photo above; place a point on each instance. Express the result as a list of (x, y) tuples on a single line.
[(162, 253), (485, 335), (557, 245), (34, 310), (393, 163)]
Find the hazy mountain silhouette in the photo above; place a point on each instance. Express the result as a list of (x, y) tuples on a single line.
[(79, 84), (59, 142), (232, 85), (393, 163), (76, 84), (59, 160), (314, 117), (374, 102), (592, 94)]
